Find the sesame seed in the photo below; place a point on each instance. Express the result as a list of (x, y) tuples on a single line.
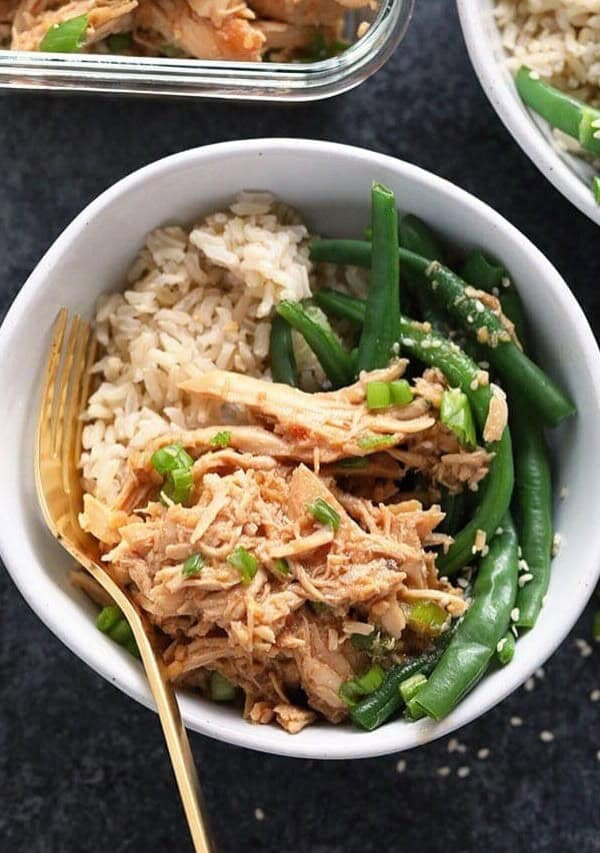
[(516, 721), (445, 771), (539, 673), (520, 551), (469, 318), (515, 614), (534, 75), (546, 736), (515, 631), (499, 531), (259, 814), (479, 306), (595, 695), (505, 282), (454, 745), (474, 385), (563, 493), (501, 644), (585, 650), (463, 772), (401, 766), (495, 291), (523, 579), (463, 583), (396, 348), (483, 753), (556, 543), (529, 685), (523, 566)]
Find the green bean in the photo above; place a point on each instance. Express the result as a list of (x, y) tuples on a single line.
[(486, 274), (563, 111), (334, 359), (453, 505), (381, 327), (281, 352), (417, 237), (481, 323), (436, 351), (338, 304), (533, 504), (384, 702), (483, 626), (505, 650), (532, 499)]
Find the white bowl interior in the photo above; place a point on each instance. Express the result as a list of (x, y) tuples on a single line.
[(330, 185), (571, 175)]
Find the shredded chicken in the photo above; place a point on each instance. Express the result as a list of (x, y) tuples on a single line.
[(205, 29)]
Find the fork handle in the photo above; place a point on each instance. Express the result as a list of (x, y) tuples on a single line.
[(174, 731)]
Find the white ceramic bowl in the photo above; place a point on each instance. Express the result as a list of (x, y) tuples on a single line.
[(571, 175), (330, 185)]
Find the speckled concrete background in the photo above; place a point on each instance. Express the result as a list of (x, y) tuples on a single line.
[(82, 768)]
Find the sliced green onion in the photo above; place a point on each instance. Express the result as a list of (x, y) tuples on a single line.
[(456, 414), (378, 395), (221, 439), (108, 618), (119, 42), (66, 37), (323, 512), (596, 626), (354, 689), (505, 650), (220, 688), (282, 566), (370, 680), (193, 565), (400, 392), (414, 711), (353, 462), (349, 693), (178, 485), (245, 562), (426, 617), (170, 458), (369, 442), (411, 686)]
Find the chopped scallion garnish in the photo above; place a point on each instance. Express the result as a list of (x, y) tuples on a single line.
[(221, 439), (456, 414), (369, 442), (324, 513), (378, 395), (170, 458), (220, 688), (400, 392), (66, 37), (245, 562), (426, 617), (411, 686), (354, 462), (193, 565), (282, 566)]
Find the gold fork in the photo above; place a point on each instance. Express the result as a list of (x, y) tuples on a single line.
[(57, 477)]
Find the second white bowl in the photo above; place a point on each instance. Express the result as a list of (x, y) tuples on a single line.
[(571, 175)]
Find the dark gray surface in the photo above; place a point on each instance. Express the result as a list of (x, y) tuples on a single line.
[(82, 768)]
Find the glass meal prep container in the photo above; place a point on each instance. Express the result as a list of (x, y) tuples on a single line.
[(271, 81)]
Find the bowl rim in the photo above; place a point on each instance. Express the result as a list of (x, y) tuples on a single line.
[(344, 743), (521, 124)]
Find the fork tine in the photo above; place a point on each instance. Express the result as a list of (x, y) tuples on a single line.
[(52, 367), (62, 385), (74, 368)]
